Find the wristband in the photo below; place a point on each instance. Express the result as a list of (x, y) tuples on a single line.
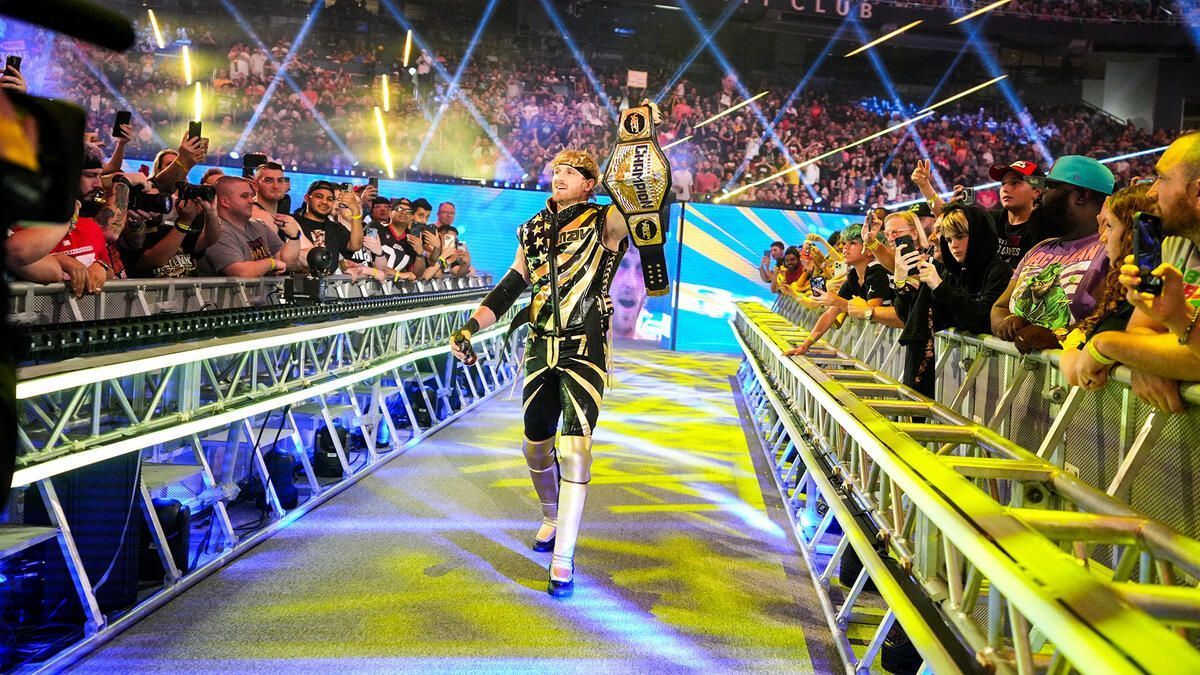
[(872, 244), (395, 276), (472, 326), (106, 266), (1095, 353), (273, 265), (1187, 332), (289, 237), (185, 228)]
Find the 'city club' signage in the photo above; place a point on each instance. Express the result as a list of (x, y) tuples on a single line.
[(819, 7)]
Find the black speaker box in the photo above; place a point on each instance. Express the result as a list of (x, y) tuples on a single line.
[(98, 501), (176, 520)]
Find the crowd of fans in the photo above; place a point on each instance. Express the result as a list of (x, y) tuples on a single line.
[(524, 107), (1066, 10), (1053, 268), (1045, 267)]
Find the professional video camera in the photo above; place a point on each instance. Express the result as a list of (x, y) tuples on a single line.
[(311, 288), (47, 190)]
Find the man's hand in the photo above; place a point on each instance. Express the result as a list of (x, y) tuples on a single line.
[(192, 151), (858, 308), (460, 346), (1159, 392), (348, 204), (799, 350), (1010, 326), (125, 136), (280, 267), (75, 272), (905, 265), (929, 274), (188, 210), (1168, 307), (920, 175), (13, 80), (430, 241), (766, 259), (655, 113), (364, 198), (1034, 338), (96, 276), (287, 224), (1088, 373)]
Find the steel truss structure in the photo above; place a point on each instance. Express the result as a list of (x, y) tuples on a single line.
[(201, 414), (988, 556)]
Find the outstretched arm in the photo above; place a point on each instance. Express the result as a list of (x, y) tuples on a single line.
[(497, 302)]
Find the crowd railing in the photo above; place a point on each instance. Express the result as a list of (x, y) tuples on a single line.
[(1109, 438), (990, 556), (210, 421)]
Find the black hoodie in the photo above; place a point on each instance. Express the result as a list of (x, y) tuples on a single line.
[(964, 298)]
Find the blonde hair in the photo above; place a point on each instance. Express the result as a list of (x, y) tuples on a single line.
[(581, 160), (953, 223), (911, 219)]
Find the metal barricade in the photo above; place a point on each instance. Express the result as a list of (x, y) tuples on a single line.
[(34, 304), (1108, 438), (201, 416), (989, 556)]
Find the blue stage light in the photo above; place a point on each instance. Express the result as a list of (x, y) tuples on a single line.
[(705, 39), (452, 89), (552, 13)]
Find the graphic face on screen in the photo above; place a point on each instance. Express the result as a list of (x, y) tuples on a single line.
[(628, 294)]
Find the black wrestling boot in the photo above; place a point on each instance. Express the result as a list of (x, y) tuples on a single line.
[(562, 589)]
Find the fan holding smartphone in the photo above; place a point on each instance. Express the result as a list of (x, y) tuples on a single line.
[(11, 78)]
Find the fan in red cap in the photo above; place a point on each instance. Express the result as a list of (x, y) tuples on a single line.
[(1018, 220)]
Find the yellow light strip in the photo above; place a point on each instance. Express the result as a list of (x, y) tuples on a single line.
[(407, 47), (801, 165), (672, 144), (383, 83), (731, 109), (968, 92), (383, 144), (981, 10), (198, 104), (187, 65), (885, 38), (158, 36)]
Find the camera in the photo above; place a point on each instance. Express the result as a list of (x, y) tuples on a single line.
[(968, 196), (201, 192), (139, 200), (251, 161)]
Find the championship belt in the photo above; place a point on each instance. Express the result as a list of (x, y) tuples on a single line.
[(638, 179)]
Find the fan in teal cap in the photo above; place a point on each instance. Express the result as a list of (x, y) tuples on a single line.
[(1083, 172)]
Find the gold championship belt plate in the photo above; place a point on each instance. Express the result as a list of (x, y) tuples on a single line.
[(638, 179)]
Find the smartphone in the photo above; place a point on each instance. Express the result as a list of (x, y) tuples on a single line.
[(285, 205), (818, 283), (449, 242), (373, 181), (1147, 250), (194, 129), (907, 242), (123, 117), (13, 61), (968, 196)]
